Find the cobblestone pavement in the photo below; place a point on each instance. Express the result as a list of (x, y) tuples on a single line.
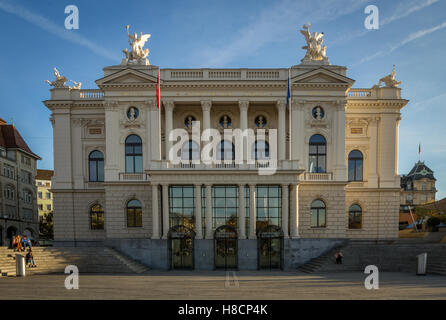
[(213, 285)]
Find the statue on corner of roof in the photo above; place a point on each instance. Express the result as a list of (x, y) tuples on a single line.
[(316, 52), (60, 81), (137, 53), (390, 80)]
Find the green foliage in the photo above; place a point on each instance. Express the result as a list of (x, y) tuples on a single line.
[(433, 221), (46, 226)]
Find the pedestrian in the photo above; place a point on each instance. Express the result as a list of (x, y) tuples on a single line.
[(339, 257), (30, 259), (14, 243)]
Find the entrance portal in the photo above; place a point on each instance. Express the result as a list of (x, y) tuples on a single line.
[(270, 247), (225, 246), (181, 247)]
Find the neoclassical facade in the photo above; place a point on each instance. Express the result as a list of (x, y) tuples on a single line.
[(335, 150)]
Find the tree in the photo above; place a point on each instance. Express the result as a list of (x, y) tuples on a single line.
[(46, 226)]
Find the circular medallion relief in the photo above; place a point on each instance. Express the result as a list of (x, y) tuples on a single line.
[(132, 113)]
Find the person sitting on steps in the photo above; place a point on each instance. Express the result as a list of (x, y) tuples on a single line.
[(30, 259)]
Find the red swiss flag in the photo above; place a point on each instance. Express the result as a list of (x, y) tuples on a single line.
[(158, 91)]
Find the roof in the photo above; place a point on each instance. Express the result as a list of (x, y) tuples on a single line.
[(44, 174), (439, 205), (420, 171), (11, 138)]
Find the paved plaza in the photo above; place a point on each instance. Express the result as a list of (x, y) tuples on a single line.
[(213, 285)]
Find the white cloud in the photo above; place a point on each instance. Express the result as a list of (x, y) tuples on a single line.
[(57, 30), (277, 23), (412, 37), (401, 12)]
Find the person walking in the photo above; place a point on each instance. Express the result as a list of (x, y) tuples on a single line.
[(339, 257)]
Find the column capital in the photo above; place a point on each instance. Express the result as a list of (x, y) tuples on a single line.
[(243, 104), (169, 104), (281, 104), (206, 105), (340, 104), (198, 184), (252, 185), (285, 185), (298, 103), (149, 103), (110, 105)]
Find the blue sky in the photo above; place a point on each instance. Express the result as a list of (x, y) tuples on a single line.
[(245, 33)]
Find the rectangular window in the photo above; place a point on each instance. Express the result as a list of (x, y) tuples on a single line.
[(224, 206), (182, 206), (48, 207), (48, 195), (268, 206), (40, 195)]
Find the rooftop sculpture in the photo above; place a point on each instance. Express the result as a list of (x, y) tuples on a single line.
[(59, 82), (315, 51), (137, 53), (390, 80)]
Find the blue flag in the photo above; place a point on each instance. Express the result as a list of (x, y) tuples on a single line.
[(288, 92)]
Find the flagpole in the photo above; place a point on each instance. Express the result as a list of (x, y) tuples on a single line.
[(158, 98)]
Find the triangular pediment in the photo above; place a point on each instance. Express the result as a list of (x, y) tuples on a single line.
[(125, 77), (322, 76)]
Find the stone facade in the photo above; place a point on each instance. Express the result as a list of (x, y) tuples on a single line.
[(322, 105), (18, 201)]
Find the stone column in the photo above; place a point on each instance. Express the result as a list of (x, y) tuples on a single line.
[(297, 132), (243, 106), (198, 222), (340, 170), (155, 213), (285, 211), (241, 212), (281, 137), (294, 211), (169, 105), (209, 233), (153, 133), (252, 211), (372, 178), (206, 107), (166, 220)]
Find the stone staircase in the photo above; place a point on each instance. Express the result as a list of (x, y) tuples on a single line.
[(87, 259), (387, 256)]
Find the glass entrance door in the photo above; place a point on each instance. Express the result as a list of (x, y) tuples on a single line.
[(182, 253), (181, 247), (270, 241), (225, 248)]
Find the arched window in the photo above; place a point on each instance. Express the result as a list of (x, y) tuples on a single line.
[(318, 154), (133, 154), (261, 150), (318, 219), (134, 213), (97, 217), (190, 151), (355, 217), (226, 151), (96, 165), (355, 161)]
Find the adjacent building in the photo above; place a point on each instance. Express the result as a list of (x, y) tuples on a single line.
[(334, 150), (417, 188), (44, 195), (18, 205)]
